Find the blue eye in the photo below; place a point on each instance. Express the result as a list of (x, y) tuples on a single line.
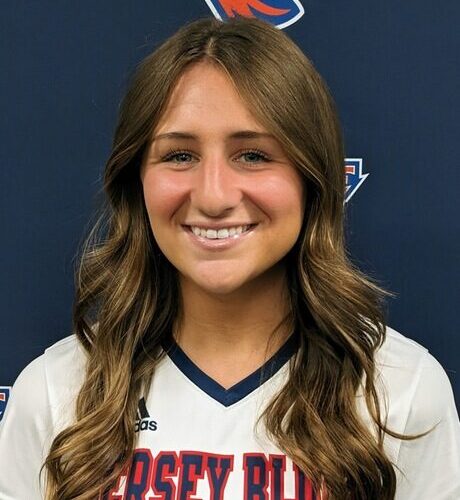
[(255, 156), (178, 156)]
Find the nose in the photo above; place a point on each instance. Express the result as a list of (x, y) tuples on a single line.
[(215, 189)]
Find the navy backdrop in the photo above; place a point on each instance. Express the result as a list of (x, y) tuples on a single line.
[(392, 67)]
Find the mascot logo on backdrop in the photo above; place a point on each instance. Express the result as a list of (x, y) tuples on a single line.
[(4, 395), (354, 176), (281, 13)]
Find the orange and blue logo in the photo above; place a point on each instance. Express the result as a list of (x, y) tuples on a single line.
[(281, 13), (354, 176), (4, 396)]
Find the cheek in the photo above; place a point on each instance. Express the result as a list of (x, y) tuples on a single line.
[(162, 195), (281, 197)]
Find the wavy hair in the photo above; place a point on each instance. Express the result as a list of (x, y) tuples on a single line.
[(127, 293)]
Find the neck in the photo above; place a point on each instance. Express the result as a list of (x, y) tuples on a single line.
[(249, 322)]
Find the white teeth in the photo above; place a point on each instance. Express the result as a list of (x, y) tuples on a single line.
[(222, 233), (214, 234)]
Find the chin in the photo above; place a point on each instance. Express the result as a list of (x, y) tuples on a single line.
[(215, 282), (219, 287)]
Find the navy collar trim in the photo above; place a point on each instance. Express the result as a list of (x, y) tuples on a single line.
[(240, 390)]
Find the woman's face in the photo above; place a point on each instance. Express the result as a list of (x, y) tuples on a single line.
[(212, 168)]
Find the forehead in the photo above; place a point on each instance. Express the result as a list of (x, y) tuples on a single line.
[(204, 97)]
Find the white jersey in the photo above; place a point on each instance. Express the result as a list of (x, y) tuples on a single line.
[(197, 440)]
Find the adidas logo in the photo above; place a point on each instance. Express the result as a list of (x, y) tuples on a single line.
[(143, 420)]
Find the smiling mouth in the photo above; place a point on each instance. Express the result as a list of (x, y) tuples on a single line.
[(221, 234)]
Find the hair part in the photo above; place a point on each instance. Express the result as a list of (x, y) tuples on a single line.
[(127, 295)]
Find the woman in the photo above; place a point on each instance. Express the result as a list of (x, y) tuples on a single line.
[(224, 346)]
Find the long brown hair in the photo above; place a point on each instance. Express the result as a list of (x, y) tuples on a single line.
[(126, 286)]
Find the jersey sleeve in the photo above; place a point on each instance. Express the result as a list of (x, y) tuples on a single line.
[(25, 433), (431, 464)]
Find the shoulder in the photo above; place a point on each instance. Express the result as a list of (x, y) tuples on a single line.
[(41, 404), (64, 366), (66, 356), (418, 398), (48, 385), (418, 390), (399, 350)]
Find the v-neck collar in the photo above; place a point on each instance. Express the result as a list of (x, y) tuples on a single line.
[(241, 389)]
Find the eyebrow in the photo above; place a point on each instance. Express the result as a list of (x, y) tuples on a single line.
[(240, 134)]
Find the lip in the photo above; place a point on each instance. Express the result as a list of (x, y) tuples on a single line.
[(217, 244)]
